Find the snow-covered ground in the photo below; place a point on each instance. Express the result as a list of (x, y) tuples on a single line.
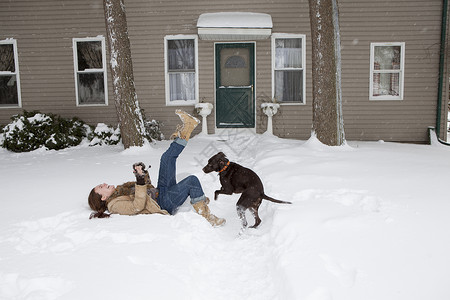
[(448, 127), (369, 220)]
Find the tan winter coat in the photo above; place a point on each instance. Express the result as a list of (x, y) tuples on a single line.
[(139, 203)]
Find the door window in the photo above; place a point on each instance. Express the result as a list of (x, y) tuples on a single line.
[(234, 67)]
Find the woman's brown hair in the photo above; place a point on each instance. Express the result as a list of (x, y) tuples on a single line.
[(96, 204)]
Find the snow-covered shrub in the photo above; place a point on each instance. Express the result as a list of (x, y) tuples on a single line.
[(67, 133), (153, 129), (32, 130), (104, 135)]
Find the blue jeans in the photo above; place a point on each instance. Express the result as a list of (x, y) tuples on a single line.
[(172, 194)]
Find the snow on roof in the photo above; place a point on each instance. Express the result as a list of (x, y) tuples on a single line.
[(234, 20)]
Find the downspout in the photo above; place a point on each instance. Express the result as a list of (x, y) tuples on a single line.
[(441, 67)]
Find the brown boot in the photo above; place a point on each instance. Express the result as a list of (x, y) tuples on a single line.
[(177, 132), (202, 209), (189, 123)]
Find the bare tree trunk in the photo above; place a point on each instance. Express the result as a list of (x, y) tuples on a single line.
[(328, 123), (127, 106)]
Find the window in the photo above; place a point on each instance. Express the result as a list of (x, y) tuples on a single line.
[(386, 71), (90, 71), (288, 68), (181, 69), (9, 74)]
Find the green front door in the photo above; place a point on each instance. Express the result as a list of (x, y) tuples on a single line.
[(235, 79)]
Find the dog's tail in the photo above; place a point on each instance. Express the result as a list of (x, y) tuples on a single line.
[(275, 200)]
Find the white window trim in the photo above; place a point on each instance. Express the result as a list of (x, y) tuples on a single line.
[(290, 35), (16, 73), (166, 70), (401, 71), (75, 67)]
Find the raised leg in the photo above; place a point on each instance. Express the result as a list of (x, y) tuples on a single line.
[(167, 166)]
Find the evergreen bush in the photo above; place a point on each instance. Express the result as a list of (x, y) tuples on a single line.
[(104, 135), (67, 133), (32, 130), (152, 128)]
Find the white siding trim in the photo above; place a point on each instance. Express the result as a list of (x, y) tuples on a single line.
[(401, 71), (16, 73), (166, 69), (289, 35), (104, 70)]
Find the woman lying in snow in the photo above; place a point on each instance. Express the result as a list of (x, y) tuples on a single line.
[(141, 197)]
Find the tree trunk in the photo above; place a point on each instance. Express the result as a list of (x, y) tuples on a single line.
[(127, 106), (328, 123)]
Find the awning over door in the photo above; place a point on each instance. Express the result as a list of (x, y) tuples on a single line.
[(234, 26)]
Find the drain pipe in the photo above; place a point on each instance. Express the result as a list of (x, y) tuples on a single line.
[(441, 67), (434, 138)]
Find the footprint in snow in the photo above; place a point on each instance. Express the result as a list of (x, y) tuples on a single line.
[(15, 286), (345, 274)]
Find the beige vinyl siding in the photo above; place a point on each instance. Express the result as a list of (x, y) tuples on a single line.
[(417, 23), (44, 32), (149, 22), (445, 120)]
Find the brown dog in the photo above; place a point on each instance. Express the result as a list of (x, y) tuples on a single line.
[(238, 179)]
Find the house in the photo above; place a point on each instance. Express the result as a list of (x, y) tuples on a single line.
[(235, 55)]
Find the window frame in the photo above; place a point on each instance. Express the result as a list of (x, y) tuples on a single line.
[(16, 73), (104, 69), (401, 71), (166, 70), (303, 68)]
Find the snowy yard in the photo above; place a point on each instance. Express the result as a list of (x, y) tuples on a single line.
[(369, 220)]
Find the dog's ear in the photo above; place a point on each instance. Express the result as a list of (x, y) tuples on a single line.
[(222, 158), (222, 155)]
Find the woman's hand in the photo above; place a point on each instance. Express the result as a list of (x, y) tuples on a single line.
[(139, 171), (139, 167)]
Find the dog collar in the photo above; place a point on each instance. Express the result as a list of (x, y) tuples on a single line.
[(226, 166)]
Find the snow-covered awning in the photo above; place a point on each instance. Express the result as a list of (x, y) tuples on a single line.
[(234, 26)]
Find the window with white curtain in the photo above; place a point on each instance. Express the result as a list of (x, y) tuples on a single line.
[(90, 71), (9, 74), (288, 68), (386, 71), (181, 70)]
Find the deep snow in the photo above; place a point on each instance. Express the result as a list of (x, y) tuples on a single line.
[(369, 220)]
